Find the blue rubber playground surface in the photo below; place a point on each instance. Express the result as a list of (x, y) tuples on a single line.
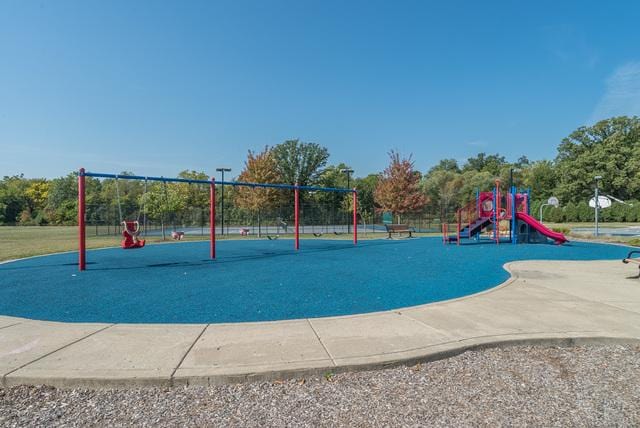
[(261, 280)]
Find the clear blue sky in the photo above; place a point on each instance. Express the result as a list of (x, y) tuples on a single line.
[(157, 87)]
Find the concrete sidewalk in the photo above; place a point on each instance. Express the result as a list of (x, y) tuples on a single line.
[(550, 302)]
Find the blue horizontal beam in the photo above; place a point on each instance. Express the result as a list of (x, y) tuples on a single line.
[(224, 183)]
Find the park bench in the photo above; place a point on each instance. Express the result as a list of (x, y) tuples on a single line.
[(630, 259), (398, 229)]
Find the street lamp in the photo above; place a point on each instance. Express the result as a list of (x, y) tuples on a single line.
[(222, 170), (348, 171), (511, 178), (597, 178)]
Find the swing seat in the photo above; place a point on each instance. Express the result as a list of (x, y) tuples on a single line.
[(130, 236)]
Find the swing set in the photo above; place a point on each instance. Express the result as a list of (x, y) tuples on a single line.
[(132, 229)]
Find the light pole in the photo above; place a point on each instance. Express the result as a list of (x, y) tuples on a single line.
[(348, 171), (597, 178), (222, 170)]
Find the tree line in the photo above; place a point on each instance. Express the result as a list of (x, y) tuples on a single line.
[(610, 148)]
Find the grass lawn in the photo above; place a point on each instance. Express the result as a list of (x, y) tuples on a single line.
[(591, 224), (629, 240), (25, 241)]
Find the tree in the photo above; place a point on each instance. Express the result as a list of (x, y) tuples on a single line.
[(161, 199), (541, 176), (609, 148), (398, 189), (449, 165), (259, 168), (443, 188), (483, 162), (62, 198), (298, 162), (366, 187)]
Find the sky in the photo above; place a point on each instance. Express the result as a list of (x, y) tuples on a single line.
[(159, 87)]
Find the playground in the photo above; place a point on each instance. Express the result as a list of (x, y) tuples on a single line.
[(263, 280), (279, 279), (294, 303)]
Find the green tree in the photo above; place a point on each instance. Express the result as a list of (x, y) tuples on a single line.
[(443, 189), (540, 176), (485, 163), (12, 198), (609, 148), (62, 200), (298, 162)]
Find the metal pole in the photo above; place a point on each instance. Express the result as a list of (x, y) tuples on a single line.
[(348, 185), (514, 214), (511, 190), (597, 207), (82, 260), (541, 207), (222, 204), (212, 218), (297, 216), (348, 171), (355, 217)]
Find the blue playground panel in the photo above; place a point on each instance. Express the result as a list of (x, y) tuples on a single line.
[(261, 280)]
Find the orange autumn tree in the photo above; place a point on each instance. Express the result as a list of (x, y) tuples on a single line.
[(258, 168), (398, 189)]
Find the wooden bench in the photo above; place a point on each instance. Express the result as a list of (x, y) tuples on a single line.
[(630, 259), (398, 229)]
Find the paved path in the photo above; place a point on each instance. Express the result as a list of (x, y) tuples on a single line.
[(553, 302)]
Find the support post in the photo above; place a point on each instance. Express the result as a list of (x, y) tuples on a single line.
[(458, 232), (514, 215), (355, 216), (296, 217), (82, 249), (212, 217), (497, 207)]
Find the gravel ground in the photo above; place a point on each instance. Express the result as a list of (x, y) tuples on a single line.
[(535, 386)]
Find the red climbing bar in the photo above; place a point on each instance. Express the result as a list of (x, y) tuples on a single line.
[(355, 216), (212, 217), (297, 216), (82, 259)]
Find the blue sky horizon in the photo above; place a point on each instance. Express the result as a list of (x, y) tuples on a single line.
[(160, 87)]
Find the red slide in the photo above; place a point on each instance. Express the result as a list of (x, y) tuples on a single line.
[(558, 237)]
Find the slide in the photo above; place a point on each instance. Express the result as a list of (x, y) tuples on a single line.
[(558, 237)]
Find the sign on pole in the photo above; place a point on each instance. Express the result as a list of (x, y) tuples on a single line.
[(603, 202)]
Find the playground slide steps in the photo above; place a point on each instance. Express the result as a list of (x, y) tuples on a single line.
[(476, 227)]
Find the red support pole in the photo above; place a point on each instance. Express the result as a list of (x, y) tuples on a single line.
[(297, 216), (355, 216), (82, 249), (458, 233), (498, 208), (212, 218)]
